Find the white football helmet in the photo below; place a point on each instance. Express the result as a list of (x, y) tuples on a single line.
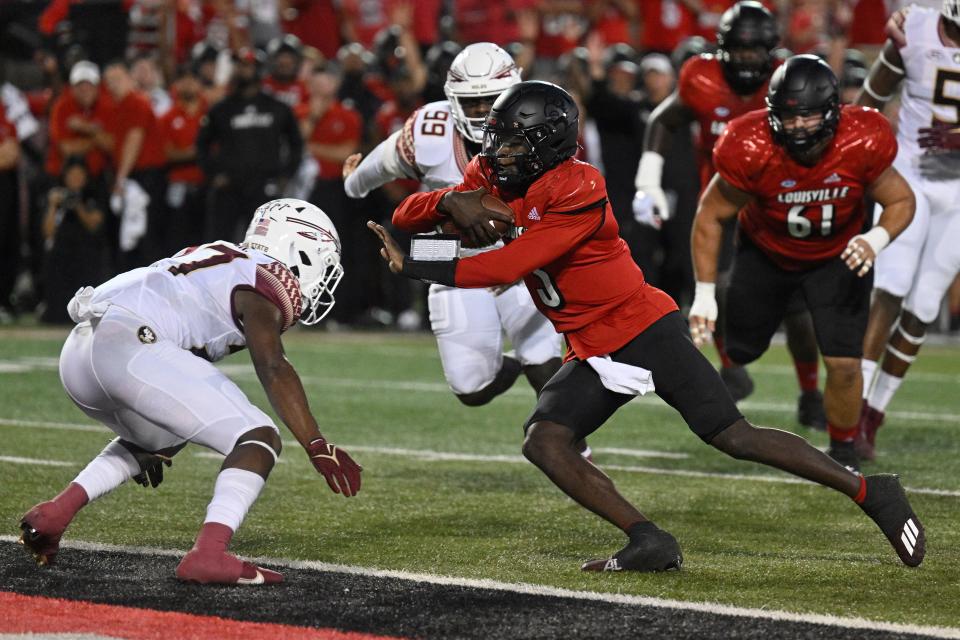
[(951, 11), (301, 236), (480, 70)]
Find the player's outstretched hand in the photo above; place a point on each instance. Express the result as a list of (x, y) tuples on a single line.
[(894, 27), (336, 465), (703, 313), (942, 136), (859, 256), (391, 251), (472, 218), (350, 164)]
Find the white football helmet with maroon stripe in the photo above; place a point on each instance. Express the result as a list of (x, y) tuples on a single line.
[(302, 237), (481, 70)]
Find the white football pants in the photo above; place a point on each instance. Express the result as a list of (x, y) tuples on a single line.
[(920, 263), (153, 394), (469, 326)]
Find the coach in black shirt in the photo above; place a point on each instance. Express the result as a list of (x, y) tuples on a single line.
[(248, 146)]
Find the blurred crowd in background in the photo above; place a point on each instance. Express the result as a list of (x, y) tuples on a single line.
[(130, 129)]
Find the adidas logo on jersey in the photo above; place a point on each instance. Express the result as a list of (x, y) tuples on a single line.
[(533, 215), (832, 178)]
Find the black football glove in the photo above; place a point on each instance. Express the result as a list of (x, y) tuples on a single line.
[(151, 464)]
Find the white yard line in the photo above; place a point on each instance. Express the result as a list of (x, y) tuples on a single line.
[(37, 461), (429, 455), (540, 590)]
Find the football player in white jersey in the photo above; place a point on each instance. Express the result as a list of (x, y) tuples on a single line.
[(139, 361), (434, 146), (914, 273)]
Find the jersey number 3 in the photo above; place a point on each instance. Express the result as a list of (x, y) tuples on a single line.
[(801, 227), (547, 291)]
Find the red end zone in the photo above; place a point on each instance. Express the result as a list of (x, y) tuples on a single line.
[(32, 614)]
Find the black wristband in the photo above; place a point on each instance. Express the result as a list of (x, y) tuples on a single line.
[(433, 271)]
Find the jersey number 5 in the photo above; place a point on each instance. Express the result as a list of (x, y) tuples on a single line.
[(941, 97), (547, 291), (801, 227), (221, 255)]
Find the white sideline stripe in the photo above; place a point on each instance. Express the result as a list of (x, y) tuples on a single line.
[(556, 592), (36, 461), (429, 455), (642, 453), (515, 394)]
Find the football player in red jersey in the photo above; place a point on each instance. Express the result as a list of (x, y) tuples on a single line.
[(713, 90), (624, 335), (797, 174)]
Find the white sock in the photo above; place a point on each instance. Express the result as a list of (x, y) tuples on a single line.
[(868, 367), (883, 389), (114, 466), (234, 493)]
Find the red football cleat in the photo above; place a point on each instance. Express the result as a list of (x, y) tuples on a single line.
[(42, 528), (870, 421), (210, 567)]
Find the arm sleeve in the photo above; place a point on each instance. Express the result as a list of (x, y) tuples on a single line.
[(555, 235), (381, 165), (730, 160), (418, 212)]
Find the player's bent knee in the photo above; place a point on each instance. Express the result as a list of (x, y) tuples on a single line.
[(912, 324), (543, 436), (843, 372), (741, 355), (266, 438), (737, 441), (477, 398)]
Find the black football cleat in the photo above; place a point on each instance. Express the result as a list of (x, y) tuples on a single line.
[(810, 412), (738, 382), (886, 503), (650, 549), (845, 454)]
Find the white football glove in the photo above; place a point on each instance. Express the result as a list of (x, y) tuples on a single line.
[(703, 312), (645, 210), (650, 205)]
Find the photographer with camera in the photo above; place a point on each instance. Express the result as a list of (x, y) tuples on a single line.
[(76, 242)]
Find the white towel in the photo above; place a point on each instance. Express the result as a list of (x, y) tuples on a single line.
[(131, 206), (622, 378), (82, 308)]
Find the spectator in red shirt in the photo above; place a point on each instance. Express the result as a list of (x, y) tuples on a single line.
[(316, 23), (664, 24), (78, 123), (332, 131), (179, 127), (138, 156), (285, 55)]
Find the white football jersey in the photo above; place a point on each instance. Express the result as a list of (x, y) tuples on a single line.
[(430, 145), (189, 298), (931, 89)]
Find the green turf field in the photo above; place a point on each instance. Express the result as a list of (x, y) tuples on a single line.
[(749, 538)]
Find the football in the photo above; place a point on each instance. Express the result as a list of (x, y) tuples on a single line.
[(490, 203)]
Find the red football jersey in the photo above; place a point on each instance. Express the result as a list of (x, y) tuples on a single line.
[(292, 94), (803, 215), (705, 92), (568, 251)]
